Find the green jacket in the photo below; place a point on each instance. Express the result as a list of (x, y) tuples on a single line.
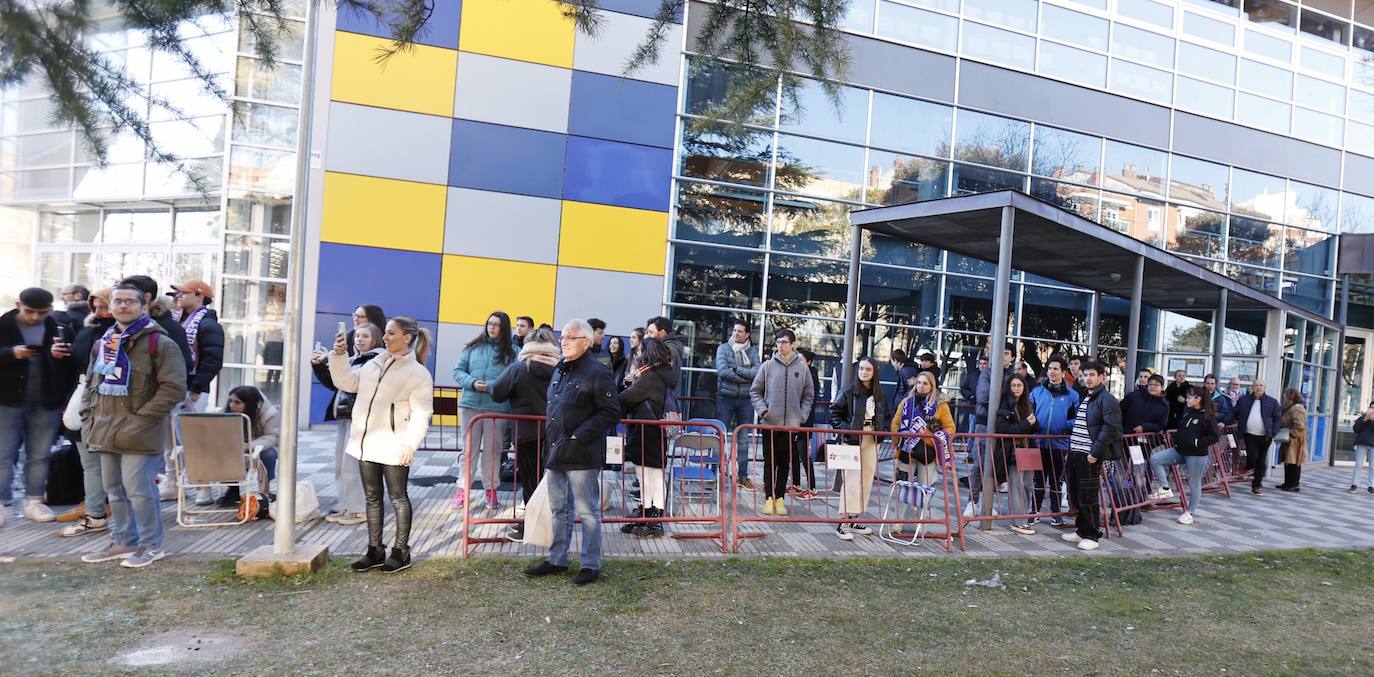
[(136, 424)]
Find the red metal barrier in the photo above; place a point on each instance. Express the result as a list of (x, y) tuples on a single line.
[(1235, 456), (1130, 480), (931, 503), (1019, 461), (690, 458)]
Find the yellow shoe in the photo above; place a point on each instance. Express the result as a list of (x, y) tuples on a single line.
[(768, 507), (779, 508), (74, 514)]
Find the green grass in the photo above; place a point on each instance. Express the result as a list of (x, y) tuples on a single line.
[(1299, 613)]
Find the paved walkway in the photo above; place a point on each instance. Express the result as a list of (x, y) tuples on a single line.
[(1323, 515)]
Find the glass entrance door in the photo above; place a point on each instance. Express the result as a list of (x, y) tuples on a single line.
[(1354, 390)]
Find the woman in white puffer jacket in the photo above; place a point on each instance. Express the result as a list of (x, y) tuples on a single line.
[(395, 399)]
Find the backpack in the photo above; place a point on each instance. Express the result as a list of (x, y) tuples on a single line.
[(66, 484)]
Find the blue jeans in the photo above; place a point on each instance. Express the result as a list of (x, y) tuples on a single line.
[(91, 480), (131, 484), (35, 427), (1196, 465), (269, 461), (735, 412), (1365, 453), (585, 487)]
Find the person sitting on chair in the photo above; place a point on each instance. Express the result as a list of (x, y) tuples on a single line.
[(265, 423)]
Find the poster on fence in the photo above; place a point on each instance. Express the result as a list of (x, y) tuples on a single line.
[(615, 450), (842, 456), (1137, 456)]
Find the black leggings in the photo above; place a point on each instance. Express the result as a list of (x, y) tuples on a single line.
[(527, 470), (396, 478)]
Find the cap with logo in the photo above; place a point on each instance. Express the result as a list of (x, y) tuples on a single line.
[(194, 287)]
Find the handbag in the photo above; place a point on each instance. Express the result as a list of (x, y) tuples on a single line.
[(71, 416), (1284, 436)]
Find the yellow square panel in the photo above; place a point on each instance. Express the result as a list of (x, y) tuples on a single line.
[(613, 238), (420, 79), (527, 30), (473, 287), (365, 210)]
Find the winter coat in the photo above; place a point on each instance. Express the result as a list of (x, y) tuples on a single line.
[(677, 343), (136, 423), (59, 375), (583, 407), (1010, 422), (1055, 410), (1223, 405), (267, 428), (924, 451), (395, 402), (1141, 409), (782, 393), (849, 408), (525, 386), (968, 383), (907, 372), (1104, 425), (732, 378), (161, 312), (210, 345), (340, 407), (1294, 418), (479, 363), (1269, 413), (1171, 395), (83, 346), (1196, 433), (618, 371), (983, 393), (644, 400), (1364, 432)]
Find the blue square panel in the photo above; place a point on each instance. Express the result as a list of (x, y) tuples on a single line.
[(440, 30), (642, 8), (620, 174), (506, 159), (621, 109), (401, 282)]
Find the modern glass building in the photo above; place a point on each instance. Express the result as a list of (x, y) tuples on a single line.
[(508, 162)]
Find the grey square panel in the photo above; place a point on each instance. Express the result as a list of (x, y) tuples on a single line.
[(1359, 174), (448, 346), (502, 225), (620, 34), (387, 143), (512, 93), (623, 300), (1253, 149)]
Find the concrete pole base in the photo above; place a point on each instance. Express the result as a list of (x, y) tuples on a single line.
[(262, 562)]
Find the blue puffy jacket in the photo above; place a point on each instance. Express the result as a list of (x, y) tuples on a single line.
[(1055, 410), (479, 363)]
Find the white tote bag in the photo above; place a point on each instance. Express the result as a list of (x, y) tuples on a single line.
[(539, 516), (71, 416), (307, 503)]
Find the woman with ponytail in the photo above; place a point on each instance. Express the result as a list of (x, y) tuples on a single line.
[(395, 399)]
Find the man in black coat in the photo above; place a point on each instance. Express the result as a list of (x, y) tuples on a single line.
[(1175, 394), (583, 407), (1145, 411), (204, 338), (1257, 415), (1096, 437), (36, 378)]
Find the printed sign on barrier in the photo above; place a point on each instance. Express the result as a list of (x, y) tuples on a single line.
[(1231, 440), (1137, 456), (842, 456), (615, 450)]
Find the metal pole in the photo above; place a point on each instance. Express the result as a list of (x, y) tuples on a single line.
[(1094, 331), (1133, 329), (851, 306), (284, 534), (1340, 371), (1001, 292), (1219, 335)]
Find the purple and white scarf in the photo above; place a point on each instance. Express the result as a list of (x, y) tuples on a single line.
[(113, 361), (192, 326), (913, 419)]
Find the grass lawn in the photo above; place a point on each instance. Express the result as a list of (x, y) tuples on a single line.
[(1300, 613)]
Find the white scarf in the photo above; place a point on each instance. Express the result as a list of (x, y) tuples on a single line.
[(741, 352)]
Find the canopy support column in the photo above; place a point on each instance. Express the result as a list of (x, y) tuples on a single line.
[(851, 306), (1000, 296), (1094, 316), (1133, 330), (1219, 335)]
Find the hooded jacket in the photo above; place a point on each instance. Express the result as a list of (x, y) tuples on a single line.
[(135, 424), (267, 429), (479, 363), (1142, 409), (524, 385), (1196, 433), (732, 378), (210, 345), (59, 376), (782, 392), (583, 407), (1104, 424), (161, 312), (677, 343), (394, 405), (1055, 410)]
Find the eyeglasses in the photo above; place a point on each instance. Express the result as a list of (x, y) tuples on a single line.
[(573, 338), (782, 341), (126, 302)]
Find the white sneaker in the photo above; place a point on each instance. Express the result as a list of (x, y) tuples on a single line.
[(1072, 537), (1087, 544), (1185, 518), (842, 530), (1161, 494), (204, 496), (968, 509), (85, 525), (166, 488), (36, 511), (142, 558)]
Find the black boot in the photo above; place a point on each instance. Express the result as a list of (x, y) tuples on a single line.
[(1296, 479), (398, 561), (629, 527), (230, 498), (650, 529), (1289, 481), (373, 558)]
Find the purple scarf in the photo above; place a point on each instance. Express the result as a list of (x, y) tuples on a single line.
[(914, 418), (192, 326), (113, 361)]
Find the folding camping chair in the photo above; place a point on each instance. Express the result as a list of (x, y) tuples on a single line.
[(216, 451), (696, 454), (901, 495)]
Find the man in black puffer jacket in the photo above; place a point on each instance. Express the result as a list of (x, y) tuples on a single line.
[(583, 406), (1146, 411)]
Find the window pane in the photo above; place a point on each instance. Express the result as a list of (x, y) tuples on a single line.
[(197, 225), (906, 124), (1054, 314), (1323, 62), (886, 249), (1360, 138), (898, 297), (999, 46), (957, 263), (917, 26), (1067, 156), (813, 227), (1263, 280), (1074, 65), (1320, 94), (290, 42), (1323, 27), (1141, 218), (282, 83), (1194, 231), (1268, 45), (195, 266), (968, 180), (190, 98), (1147, 10), (117, 265), (1272, 13), (166, 180), (802, 286), (1258, 195), (269, 381), (1208, 28), (1254, 242), (815, 113), (708, 83), (36, 150), (1363, 41), (1318, 127), (1199, 183), (52, 271), (1141, 81), (1266, 79), (77, 227), (859, 17), (968, 304), (140, 227), (1206, 98), (258, 300), (1311, 293), (1263, 113), (1186, 334), (992, 141), (734, 155), (272, 171), (1357, 213), (1141, 45), (708, 276), (253, 343), (116, 180), (253, 256), (710, 213), (1075, 27), (201, 136), (1207, 63), (1245, 331), (1312, 207), (1361, 105), (265, 125), (1077, 199), (1308, 251), (897, 179), (1018, 14), (1134, 169), (260, 214), (819, 167), (705, 331)]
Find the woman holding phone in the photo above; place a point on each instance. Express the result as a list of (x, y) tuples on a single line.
[(395, 399)]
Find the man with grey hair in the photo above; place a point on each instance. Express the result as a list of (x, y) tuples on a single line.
[(583, 407), (1257, 414)]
